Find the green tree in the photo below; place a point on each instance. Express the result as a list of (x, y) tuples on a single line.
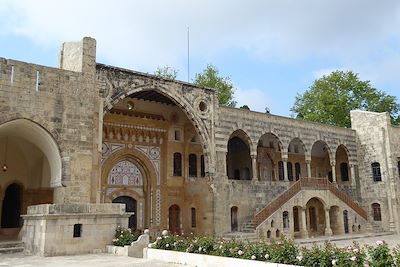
[(331, 98), (245, 107), (166, 72), (210, 78)]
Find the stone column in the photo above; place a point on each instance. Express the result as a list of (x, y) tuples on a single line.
[(353, 176), (303, 228), (333, 165), (328, 230), (308, 162), (285, 171), (254, 167)]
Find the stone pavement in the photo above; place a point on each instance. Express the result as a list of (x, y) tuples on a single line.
[(87, 260)]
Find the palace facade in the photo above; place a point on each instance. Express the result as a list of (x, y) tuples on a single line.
[(78, 138)]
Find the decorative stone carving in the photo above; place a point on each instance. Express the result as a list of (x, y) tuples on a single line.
[(125, 173)]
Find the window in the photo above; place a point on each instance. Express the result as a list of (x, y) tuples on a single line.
[(285, 217), (297, 169), (398, 167), (193, 215), (246, 174), (177, 164), (192, 165), (177, 135), (290, 171), (77, 230), (344, 171), (376, 212), (376, 171), (202, 166), (280, 170)]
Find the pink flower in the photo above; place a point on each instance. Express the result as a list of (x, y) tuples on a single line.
[(355, 250), (253, 257), (240, 253), (380, 242)]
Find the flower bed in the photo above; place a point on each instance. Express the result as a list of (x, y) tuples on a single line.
[(284, 251), (125, 237)]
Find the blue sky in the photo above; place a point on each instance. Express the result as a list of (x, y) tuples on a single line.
[(272, 50)]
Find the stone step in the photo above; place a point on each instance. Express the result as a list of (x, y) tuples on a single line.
[(10, 250), (7, 247), (242, 236)]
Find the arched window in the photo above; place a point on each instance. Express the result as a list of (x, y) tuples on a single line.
[(297, 169), (177, 164), (290, 171), (202, 166), (281, 171), (192, 165), (285, 217), (376, 212), (344, 171), (193, 215), (376, 171)]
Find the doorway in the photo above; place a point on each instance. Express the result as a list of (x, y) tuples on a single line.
[(11, 210), (130, 206), (174, 219)]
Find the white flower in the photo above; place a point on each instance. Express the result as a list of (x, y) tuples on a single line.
[(334, 262), (253, 257), (159, 238), (353, 258), (200, 248), (266, 256), (164, 232), (240, 253), (167, 245), (380, 242), (355, 250), (299, 258), (150, 245), (349, 248)]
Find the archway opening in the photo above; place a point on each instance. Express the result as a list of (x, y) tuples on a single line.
[(342, 165), (296, 158), (320, 161), (269, 158), (238, 160), (130, 206), (11, 209), (174, 219), (315, 217), (346, 221)]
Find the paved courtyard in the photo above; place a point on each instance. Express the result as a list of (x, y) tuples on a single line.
[(88, 260)]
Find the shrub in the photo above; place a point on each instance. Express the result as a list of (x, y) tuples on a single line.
[(124, 237), (380, 255)]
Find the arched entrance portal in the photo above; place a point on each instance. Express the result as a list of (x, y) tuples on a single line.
[(174, 219), (234, 219), (316, 217), (11, 210), (130, 206)]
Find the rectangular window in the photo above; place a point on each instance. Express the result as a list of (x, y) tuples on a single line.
[(77, 230), (193, 213), (177, 135)]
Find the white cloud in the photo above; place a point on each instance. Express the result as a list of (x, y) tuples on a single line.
[(150, 33), (256, 99)]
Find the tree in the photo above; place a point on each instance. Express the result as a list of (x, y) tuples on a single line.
[(166, 72), (331, 98), (245, 107), (210, 78)]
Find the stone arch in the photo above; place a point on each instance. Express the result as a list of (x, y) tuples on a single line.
[(321, 160), (181, 102), (342, 156), (238, 158), (37, 135), (244, 136)]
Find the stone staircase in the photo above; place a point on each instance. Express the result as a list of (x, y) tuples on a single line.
[(247, 232), (11, 246)]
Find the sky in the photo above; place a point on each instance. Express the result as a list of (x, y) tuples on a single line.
[(271, 50)]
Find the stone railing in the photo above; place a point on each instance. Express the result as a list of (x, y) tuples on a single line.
[(306, 183)]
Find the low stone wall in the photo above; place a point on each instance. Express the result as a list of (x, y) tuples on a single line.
[(204, 260), (66, 229), (134, 250)]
